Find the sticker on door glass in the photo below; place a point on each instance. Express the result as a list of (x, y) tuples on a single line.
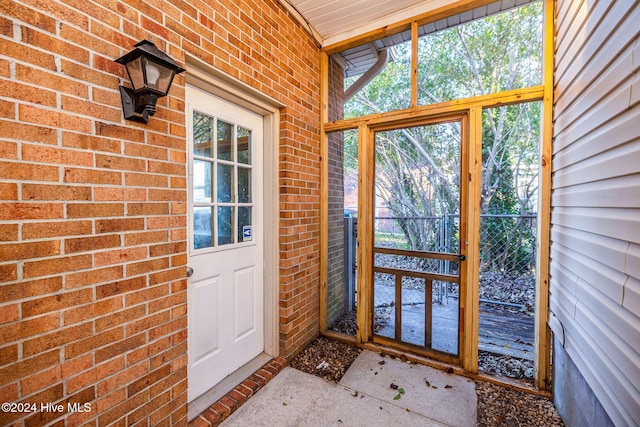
[(246, 233)]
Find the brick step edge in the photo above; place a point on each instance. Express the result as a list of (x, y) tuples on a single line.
[(231, 401)]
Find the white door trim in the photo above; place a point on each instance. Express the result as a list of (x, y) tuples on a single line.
[(205, 77)]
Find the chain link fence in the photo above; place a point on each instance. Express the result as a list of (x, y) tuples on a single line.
[(507, 242)]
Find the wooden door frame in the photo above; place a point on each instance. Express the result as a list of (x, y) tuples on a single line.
[(366, 225)]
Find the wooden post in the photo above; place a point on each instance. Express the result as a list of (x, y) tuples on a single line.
[(469, 286), (414, 64), (366, 166), (428, 312), (542, 332)]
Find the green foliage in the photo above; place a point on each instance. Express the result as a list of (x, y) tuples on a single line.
[(417, 169)]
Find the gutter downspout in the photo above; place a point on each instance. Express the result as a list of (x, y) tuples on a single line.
[(370, 74)]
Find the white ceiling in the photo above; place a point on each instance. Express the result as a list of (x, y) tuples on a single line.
[(337, 20)]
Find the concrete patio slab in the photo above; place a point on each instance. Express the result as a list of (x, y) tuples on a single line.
[(362, 398), (444, 398)]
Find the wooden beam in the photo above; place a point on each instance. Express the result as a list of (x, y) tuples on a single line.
[(516, 96), (542, 374), (417, 254)]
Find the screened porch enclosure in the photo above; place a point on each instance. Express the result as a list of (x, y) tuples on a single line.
[(433, 168)]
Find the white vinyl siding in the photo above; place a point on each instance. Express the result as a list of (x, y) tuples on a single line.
[(595, 220)]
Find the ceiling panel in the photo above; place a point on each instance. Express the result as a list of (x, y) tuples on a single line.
[(332, 17)]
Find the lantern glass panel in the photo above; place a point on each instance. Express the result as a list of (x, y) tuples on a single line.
[(158, 76), (134, 68)]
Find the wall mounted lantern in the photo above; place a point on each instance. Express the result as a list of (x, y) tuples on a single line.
[(151, 72)]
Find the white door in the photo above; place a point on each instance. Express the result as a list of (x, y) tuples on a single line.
[(225, 290)]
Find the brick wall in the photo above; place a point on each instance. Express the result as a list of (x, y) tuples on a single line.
[(92, 208), (336, 295)]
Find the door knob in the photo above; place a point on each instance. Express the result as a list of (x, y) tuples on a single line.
[(189, 271)]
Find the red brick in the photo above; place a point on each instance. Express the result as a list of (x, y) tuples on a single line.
[(119, 225), (92, 210), (113, 413), (56, 266), (119, 132), (135, 209), (77, 365), (146, 180), (120, 163), (89, 142), (119, 287), (88, 74), (8, 232), (81, 106), (27, 14), (120, 317), (28, 366), (92, 176), (28, 328), (18, 251), (46, 154), (147, 380), (116, 194), (40, 380), (92, 310), (8, 150), (55, 192), (56, 302), (124, 376), (27, 132), (35, 230), (9, 313), (212, 417), (94, 276), (152, 265), (28, 172), (92, 376), (22, 92), (145, 151), (53, 118), (93, 243), (26, 54), (31, 288), (133, 239), (119, 256), (120, 347), (8, 354), (93, 342)]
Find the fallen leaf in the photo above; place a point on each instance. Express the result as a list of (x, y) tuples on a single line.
[(382, 362), (427, 382), (393, 386), (448, 386), (449, 370)]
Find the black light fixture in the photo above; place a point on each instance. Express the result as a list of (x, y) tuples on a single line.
[(151, 72)]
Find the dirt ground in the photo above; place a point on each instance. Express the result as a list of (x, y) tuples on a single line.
[(497, 405)]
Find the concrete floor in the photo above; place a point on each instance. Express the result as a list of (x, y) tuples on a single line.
[(363, 398)]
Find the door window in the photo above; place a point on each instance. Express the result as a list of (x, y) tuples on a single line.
[(222, 183)]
